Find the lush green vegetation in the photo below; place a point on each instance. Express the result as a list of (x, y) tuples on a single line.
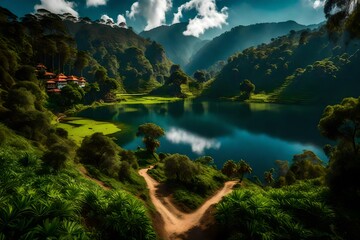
[(45, 194), (79, 128), (236, 40), (300, 211), (308, 200), (38, 203), (189, 182), (307, 66)]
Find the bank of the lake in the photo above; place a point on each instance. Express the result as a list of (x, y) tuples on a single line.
[(260, 133)]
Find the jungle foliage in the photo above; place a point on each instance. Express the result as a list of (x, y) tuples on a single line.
[(304, 66), (38, 204)]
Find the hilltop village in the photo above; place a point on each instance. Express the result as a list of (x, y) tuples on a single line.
[(54, 83)]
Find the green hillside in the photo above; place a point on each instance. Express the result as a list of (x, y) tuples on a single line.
[(304, 66), (179, 48), (238, 39)]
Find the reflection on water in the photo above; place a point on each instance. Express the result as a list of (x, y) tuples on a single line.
[(258, 133), (198, 144)]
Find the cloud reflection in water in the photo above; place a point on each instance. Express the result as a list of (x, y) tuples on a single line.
[(198, 143)]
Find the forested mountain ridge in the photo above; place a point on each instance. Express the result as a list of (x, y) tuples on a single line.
[(238, 39), (126, 55), (80, 46), (179, 48), (304, 66)]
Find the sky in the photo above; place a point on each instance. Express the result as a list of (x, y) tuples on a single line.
[(203, 16)]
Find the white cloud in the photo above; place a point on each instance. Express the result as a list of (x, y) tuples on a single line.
[(318, 4), (135, 9), (315, 4), (120, 19), (207, 16), (154, 11), (105, 18), (57, 6), (198, 144), (95, 3)]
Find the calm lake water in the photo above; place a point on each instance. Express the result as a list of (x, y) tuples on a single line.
[(258, 133)]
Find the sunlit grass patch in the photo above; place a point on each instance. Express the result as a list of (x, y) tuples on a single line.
[(144, 99), (79, 128)]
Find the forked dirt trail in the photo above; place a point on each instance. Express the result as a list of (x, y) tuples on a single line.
[(175, 221)]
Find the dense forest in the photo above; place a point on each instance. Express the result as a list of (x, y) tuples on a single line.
[(52, 187), (304, 66)]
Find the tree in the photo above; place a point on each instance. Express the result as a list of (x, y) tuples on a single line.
[(180, 168), (178, 77), (200, 76), (242, 169), (246, 88), (174, 68), (150, 133), (82, 61), (26, 73), (71, 94), (35, 90), (124, 171), (307, 166), (100, 151), (304, 36), (341, 122), (205, 160), (229, 168), (56, 156), (20, 100), (268, 175)]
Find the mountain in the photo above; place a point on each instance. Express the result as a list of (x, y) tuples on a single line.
[(305, 66), (179, 48), (238, 39), (81, 47), (140, 63)]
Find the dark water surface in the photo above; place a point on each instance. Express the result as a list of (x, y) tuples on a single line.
[(258, 133)]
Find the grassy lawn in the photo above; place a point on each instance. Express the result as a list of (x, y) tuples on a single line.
[(79, 128), (144, 99)]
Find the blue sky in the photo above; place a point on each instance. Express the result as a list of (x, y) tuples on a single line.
[(203, 15)]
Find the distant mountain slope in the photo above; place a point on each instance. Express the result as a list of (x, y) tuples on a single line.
[(305, 66), (238, 39), (179, 48)]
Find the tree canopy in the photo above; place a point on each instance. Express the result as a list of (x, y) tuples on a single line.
[(341, 122), (150, 132)]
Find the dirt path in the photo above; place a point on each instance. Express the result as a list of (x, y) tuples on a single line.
[(176, 222), (85, 173)]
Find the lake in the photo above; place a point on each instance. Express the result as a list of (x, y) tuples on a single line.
[(256, 132)]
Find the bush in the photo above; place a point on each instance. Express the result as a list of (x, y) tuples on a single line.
[(100, 151), (180, 168), (124, 171), (56, 156)]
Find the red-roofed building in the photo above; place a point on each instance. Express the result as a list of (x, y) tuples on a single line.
[(61, 80), (55, 90), (54, 83), (73, 79), (48, 75), (82, 82), (51, 85), (40, 67)]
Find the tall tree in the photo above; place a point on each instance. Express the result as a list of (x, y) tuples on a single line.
[(151, 133), (341, 122)]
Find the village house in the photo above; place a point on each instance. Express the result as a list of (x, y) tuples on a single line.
[(54, 83)]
